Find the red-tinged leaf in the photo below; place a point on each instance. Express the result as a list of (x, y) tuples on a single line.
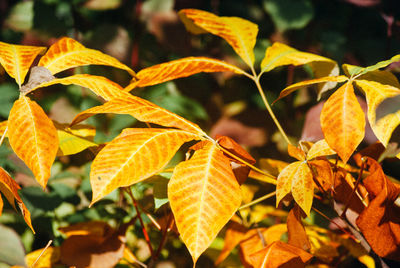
[(292, 88), (10, 190), (234, 234), (17, 59), (241, 34), (67, 53), (380, 221), (296, 232), (297, 179), (343, 122), (296, 152), (279, 254), (101, 86), (133, 156), (323, 174), (180, 68), (204, 194), (320, 148), (382, 122), (33, 137), (142, 110)]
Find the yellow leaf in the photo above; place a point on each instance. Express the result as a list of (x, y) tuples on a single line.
[(67, 53), (180, 68), (71, 144), (382, 123), (133, 156), (17, 59), (241, 34), (101, 86), (50, 256), (297, 179), (142, 110), (10, 190), (320, 148), (3, 126), (383, 77), (343, 121), (356, 70), (204, 194), (303, 84), (33, 137)]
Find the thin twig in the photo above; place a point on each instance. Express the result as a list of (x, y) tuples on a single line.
[(41, 253), (258, 200)]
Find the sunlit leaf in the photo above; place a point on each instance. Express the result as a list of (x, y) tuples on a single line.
[(17, 59), (142, 110), (134, 155), (320, 148), (43, 257), (3, 126), (297, 179), (343, 121), (356, 70), (101, 86), (10, 190), (382, 122), (303, 84), (296, 152), (67, 53), (239, 33), (383, 77), (204, 195), (180, 68), (296, 231), (33, 137), (71, 144)]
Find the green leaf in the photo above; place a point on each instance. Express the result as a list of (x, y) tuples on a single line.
[(20, 18), (9, 93), (11, 249), (356, 70), (289, 14), (160, 186)]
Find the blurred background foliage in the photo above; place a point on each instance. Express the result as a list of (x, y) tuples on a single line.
[(145, 33)]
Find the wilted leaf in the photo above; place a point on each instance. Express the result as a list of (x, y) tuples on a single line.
[(67, 53), (204, 195), (382, 123), (50, 256), (10, 190), (279, 254), (101, 86), (320, 148), (297, 179), (180, 68), (71, 144), (17, 59), (343, 122), (296, 232), (380, 222), (33, 137), (133, 156), (37, 76), (241, 34)]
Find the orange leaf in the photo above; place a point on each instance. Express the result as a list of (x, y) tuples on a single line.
[(133, 156), (67, 53), (379, 222), (17, 59), (3, 126), (322, 173), (296, 152), (180, 68), (254, 240), (297, 179), (343, 122), (142, 110), (296, 232), (279, 254), (320, 148), (241, 34), (10, 190), (33, 137), (204, 195), (101, 86)]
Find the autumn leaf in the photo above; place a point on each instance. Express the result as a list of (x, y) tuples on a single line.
[(180, 68), (296, 231), (101, 86), (296, 152), (204, 195), (10, 190), (142, 110), (241, 34), (379, 222), (382, 123), (279, 254), (320, 148), (343, 122), (17, 59), (33, 137), (3, 127), (67, 53), (72, 144), (133, 156), (356, 70), (383, 77), (297, 179), (322, 173), (44, 257)]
